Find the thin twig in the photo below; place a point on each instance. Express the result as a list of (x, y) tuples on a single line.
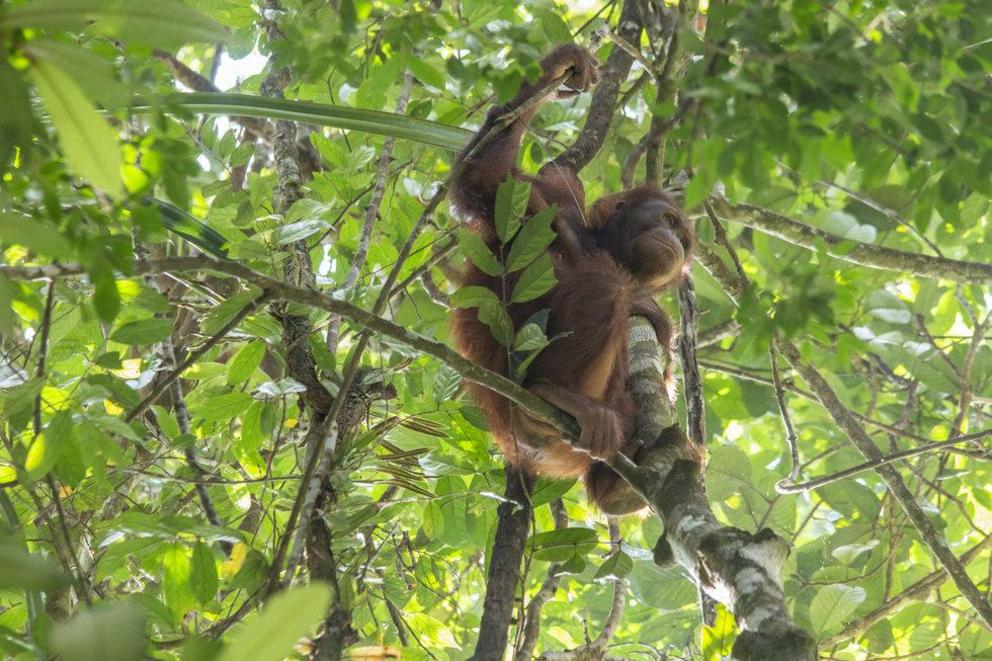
[(174, 374), (783, 407), (791, 487), (848, 250), (53, 487), (371, 215)]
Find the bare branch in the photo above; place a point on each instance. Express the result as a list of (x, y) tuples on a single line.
[(783, 407), (371, 213), (504, 566)]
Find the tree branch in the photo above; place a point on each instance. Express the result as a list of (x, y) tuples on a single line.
[(855, 252), (789, 486), (504, 566), (278, 290), (736, 568), (531, 627), (603, 105)]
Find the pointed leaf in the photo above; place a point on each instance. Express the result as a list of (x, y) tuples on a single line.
[(537, 279), (203, 573), (831, 607), (423, 131), (270, 634), (165, 23), (475, 249), (88, 142), (143, 331), (532, 240)]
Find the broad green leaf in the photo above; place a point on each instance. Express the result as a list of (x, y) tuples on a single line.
[(224, 407), (506, 218), (245, 362), (555, 29), (475, 249), (87, 140), (93, 74), (560, 545), (20, 570), (718, 640), (143, 331), (529, 338), (299, 230), (176, 574), (616, 566), (203, 573), (16, 118), (271, 633), (433, 630), (533, 239), (831, 607), (166, 23), (35, 234), (491, 311), (426, 73), (49, 446), (109, 632), (536, 280)]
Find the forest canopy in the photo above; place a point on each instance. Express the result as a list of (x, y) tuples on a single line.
[(232, 421)]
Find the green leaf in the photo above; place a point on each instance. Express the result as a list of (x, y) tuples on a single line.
[(299, 230), (532, 240), (20, 570), (87, 140), (831, 607), (93, 74), (35, 234), (718, 640), (143, 331), (106, 300), (271, 633), (166, 23), (506, 218), (203, 574), (560, 545), (16, 119), (536, 280), (114, 632), (426, 73), (555, 29), (475, 249), (616, 566), (224, 407), (191, 228), (529, 338), (491, 311), (176, 573), (341, 117), (245, 362)]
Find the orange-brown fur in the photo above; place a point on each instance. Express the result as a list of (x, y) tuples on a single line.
[(599, 264)]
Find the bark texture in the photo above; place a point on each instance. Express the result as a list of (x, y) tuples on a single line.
[(737, 568), (504, 567)]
